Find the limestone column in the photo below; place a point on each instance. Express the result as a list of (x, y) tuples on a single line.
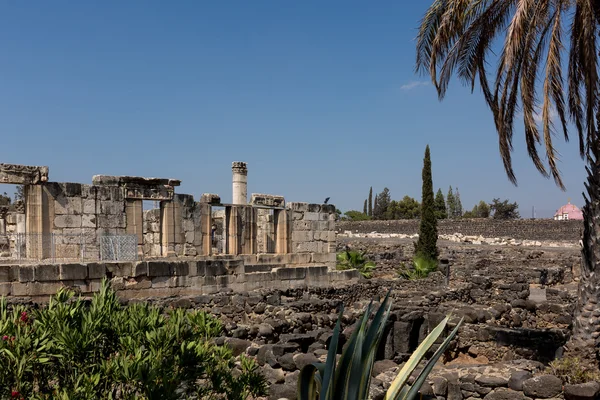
[(206, 228), (234, 234), (171, 232), (36, 228), (240, 183), (135, 221), (282, 231), (249, 245), (3, 213)]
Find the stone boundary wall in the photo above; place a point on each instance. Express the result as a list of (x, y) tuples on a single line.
[(539, 229), (171, 278)]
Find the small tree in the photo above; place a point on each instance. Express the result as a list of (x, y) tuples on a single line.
[(458, 210), (365, 208), (450, 203), (483, 210), (407, 208), (383, 203), (504, 209), (353, 215), (427, 245), (370, 210), (440, 205)]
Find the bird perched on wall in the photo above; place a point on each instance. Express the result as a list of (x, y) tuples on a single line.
[(326, 200)]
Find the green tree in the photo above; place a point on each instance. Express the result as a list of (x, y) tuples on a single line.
[(19, 192), (365, 208), (440, 205), (483, 210), (504, 209), (383, 203), (5, 199), (450, 203), (370, 211), (427, 244), (375, 207), (353, 215), (458, 210), (560, 38), (407, 208)]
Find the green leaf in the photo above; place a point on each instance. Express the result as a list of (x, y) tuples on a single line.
[(414, 360), (414, 390), (307, 385)]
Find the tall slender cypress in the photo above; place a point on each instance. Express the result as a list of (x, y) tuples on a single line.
[(427, 244), (370, 210), (365, 208), (450, 203), (458, 210)]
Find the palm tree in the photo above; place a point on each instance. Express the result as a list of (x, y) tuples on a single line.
[(458, 36)]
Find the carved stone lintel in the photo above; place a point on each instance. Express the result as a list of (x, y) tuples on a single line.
[(133, 181), (210, 198), (23, 174), (268, 200)]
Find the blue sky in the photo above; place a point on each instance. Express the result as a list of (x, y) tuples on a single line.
[(320, 98)]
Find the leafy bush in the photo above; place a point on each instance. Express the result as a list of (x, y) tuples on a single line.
[(422, 267), (350, 377), (572, 371), (71, 349), (351, 259)]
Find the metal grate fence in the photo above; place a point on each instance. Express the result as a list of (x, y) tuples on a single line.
[(57, 247)]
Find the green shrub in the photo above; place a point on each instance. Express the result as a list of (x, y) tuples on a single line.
[(350, 377), (422, 267), (572, 371), (73, 350), (351, 259)]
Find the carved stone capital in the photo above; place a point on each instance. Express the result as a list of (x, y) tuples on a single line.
[(23, 174), (239, 167)]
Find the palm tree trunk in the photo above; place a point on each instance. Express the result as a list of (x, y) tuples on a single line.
[(585, 340)]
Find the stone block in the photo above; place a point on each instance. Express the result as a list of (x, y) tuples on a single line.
[(164, 281), (88, 221), (159, 268), (139, 269), (315, 208), (5, 289), (112, 207), (68, 205), (215, 268), (6, 273), (120, 269), (323, 257), (302, 236), (311, 216), (258, 277), (20, 289), (299, 258), (112, 221), (301, 226), (296, 206), (25, 273), (306, 247), (73, 272), (67, 221), (317, 273), (139, 284), (45, 273), (96, 271), (181, 268), (71, 189), (289, 273), (44, 288)]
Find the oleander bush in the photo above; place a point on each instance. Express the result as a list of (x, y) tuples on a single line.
[(78, 349)]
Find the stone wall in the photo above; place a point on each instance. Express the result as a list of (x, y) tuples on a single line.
[(540, 229), (313, 230), (201, 275)]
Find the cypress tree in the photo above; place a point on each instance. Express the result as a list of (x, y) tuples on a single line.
[(440, 206), (365, 208), (427, 245), (458, 211), (450, 203), (376, 207), (370, 210)]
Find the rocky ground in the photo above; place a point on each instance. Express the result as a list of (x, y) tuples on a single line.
[(516, 302)]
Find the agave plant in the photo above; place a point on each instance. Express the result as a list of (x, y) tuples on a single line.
[(350, 259), (422, 267), (350, 377)]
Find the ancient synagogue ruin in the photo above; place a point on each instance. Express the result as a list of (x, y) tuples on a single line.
[(62, 224)]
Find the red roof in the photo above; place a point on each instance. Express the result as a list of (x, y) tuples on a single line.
[(571, 210)]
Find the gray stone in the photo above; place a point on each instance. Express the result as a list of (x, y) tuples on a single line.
[(283, 348), (67, 221), (45, 273), (301, 360), (382, 366), (287, 362), (491, 381), (583, 391), (238, 346), (542, 387), (73, 272), (265, 330), (273, 375), (504, 394), (279, 391), (517, 378), (440, 385)]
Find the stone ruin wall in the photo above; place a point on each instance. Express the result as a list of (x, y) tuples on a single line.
[(523, 229)]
